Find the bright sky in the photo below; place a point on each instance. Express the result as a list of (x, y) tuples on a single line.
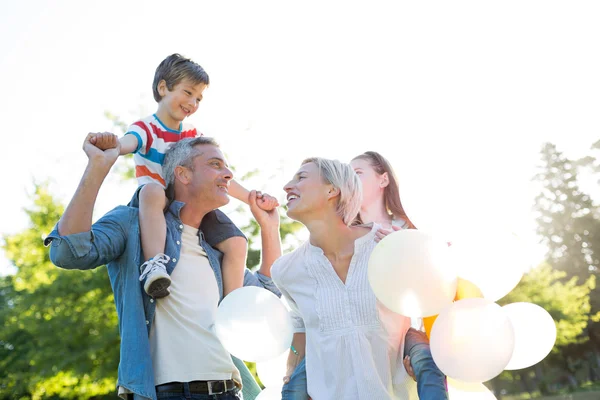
[(458, 95)]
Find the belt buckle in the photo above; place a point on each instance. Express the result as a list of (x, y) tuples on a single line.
[(210, 387)]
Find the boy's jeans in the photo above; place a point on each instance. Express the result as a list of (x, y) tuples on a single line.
[(431, 382)]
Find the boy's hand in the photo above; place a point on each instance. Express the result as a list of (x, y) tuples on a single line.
[(104, 140), (266, 202), (97, 156)]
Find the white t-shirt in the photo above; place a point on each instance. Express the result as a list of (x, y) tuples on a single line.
[(354, 344), (183, 343)]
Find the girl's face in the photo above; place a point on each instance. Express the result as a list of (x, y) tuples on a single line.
[(373, 183)]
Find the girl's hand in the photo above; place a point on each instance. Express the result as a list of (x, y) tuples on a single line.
[(382, 232)]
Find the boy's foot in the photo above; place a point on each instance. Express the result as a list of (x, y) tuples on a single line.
[(157, 278)]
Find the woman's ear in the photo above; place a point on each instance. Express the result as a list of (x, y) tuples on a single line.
[(333, 192), (385, 180), (182, 174)]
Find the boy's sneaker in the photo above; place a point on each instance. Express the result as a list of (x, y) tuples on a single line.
[(157, 278)]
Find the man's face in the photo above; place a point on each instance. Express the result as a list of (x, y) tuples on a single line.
[(210, 177)]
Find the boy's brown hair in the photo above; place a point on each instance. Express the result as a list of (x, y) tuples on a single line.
[(174, 69)]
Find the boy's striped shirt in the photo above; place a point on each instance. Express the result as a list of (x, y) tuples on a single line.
[(154, 139)]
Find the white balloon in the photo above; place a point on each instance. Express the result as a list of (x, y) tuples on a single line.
[(493, 260), (472, 340), (270, 393), (458, 390), (271, 372), (253, 324), (535, 334), (410, 274)]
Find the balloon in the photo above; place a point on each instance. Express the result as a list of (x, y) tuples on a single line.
[(271, 372), (270, 393), (494, 261), (458, 390), (410, 274), (535, 334), (253, 324), (472, 340)]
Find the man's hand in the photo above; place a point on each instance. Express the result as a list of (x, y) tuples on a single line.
[(266, 202), (381, 232), (95, 154), (265, 218)]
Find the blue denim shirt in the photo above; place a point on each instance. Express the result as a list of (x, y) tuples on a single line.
[(115, 241)]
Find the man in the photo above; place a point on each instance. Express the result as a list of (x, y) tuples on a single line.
[(167, 345)]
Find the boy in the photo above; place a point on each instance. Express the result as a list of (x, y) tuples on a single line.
[(177, 88)]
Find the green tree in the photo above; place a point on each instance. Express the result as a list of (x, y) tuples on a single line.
[(58, 336), (569, 225), (569, 305)]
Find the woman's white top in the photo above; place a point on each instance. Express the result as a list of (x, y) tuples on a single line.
[(354, 344)]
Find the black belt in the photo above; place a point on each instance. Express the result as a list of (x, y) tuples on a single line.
[(198, 387)]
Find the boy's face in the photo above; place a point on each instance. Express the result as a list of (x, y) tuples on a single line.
[(179, 103)]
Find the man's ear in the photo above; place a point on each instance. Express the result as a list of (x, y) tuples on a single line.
[(183, 174), (385, 180), (333, 192)]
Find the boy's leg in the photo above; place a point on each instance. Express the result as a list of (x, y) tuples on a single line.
[(153, 231), (222, 234), (431, 382), (296, 388), (234, 252)]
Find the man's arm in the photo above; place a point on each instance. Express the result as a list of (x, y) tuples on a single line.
[(73, 243), (77, 218)]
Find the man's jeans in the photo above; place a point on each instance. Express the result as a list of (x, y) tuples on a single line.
[(431, 382), (231, 395)]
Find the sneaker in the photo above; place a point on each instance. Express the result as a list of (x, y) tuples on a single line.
[(157, 278)]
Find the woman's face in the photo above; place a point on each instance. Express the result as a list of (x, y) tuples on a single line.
[(306, 192), (373, 184)]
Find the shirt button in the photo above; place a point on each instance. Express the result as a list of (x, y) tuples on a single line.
[(178, 242), (174, 260), (151, 301), (147, 322), (180, 226)]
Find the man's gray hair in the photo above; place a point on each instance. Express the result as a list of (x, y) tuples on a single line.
[(342, 177), (182, 154)]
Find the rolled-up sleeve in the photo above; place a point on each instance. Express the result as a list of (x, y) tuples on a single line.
[(260, 280), (86, 250)]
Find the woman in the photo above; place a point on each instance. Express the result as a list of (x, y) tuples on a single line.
[(354, 346), (381, 205)]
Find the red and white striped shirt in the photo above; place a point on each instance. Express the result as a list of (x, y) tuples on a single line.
[(154, 139)]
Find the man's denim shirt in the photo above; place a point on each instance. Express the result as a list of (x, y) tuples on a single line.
[(115, 241)]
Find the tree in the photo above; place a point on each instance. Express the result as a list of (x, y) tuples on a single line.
[(569, 225), (569, 305), (567, 222), (59, 333)]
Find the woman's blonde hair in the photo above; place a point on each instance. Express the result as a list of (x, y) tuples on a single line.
[(342, 177)]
